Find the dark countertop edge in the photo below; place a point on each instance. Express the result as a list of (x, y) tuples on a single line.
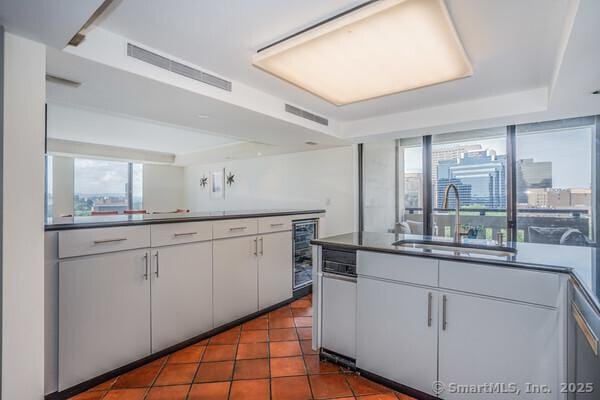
[(501, 263), (109, 224)]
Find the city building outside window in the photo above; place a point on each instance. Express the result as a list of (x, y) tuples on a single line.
[(554, 164), (478, 168), (104, 185), (555, 167)]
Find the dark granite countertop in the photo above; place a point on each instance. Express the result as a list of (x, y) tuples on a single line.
[(104, 221), (581, 263)]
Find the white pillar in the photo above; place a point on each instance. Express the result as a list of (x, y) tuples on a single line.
[(23, 219)]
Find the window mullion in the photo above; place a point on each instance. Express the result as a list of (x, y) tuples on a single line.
[(511, 183), (427, 187), (130, 186)]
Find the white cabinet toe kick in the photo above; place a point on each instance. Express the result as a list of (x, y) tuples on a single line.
[(119, 295), (448, 329)]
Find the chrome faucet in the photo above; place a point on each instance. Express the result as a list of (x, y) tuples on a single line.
[(457, 227)]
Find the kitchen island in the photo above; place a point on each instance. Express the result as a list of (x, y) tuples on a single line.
[(444, 323), (122, 290)]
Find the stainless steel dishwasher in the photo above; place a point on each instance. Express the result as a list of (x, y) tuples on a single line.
[(583, 349), (339, 304)]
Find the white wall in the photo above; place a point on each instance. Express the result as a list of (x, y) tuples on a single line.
[(23, 228), (321, 179), (163, 187)]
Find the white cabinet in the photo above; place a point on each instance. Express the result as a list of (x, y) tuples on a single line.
[(181, 293), (235, 278), (104, 314), (250, 273), (487, 341), (127, 292), (81, 242), (415, 333), (274, 268), (339, 315), (397, 332)]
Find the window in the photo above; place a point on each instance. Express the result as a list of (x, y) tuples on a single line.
[(554, 167), (477, 167), (137, 186), (103, 185), (379, 194), (392, 185), (79, 186), (547, 178), (410, 169)]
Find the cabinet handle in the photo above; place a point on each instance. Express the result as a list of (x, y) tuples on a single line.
[(429, 301), (279, 224), (444, 305), (109, 240), (262, 246), (256, 247), (146, 270), (238, 228), (156, 272), (185, 234)]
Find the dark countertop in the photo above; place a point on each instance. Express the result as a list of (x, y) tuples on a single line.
[(581, 263), (104, 221)]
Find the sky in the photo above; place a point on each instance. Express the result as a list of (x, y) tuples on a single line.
[(570, 152), (103, 176)]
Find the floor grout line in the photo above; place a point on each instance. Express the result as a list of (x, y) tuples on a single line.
[(304, 353)]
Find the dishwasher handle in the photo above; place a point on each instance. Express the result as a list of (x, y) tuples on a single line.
[(344, 278)]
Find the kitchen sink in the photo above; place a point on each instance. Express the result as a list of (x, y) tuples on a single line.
[(460, 249)]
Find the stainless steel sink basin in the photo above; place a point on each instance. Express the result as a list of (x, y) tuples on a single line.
[(462, 249)]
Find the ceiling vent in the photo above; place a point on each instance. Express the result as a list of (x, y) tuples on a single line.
[(306, 115), (178, 68)]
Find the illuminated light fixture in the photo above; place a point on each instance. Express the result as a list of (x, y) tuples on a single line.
[(380, 48)]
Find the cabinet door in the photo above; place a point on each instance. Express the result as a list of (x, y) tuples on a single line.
[(487, 341), (181, 293), (235, 282), (339, 315), (104, 314), (396, 338), (274, 268)]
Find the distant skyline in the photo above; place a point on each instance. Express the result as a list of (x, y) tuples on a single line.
[(570, 152), (93, 177)]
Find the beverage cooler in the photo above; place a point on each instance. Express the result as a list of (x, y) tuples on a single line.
[(303, 232)]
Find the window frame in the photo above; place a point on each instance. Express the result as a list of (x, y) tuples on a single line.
[(511, 174), (129, 184), (129, 189)]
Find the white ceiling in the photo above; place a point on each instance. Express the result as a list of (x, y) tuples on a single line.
[(111, 90), (512, 44), (90, 126), (533, 60), (52, 22)]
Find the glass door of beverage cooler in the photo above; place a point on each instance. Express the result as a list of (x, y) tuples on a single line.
[(304, 232)]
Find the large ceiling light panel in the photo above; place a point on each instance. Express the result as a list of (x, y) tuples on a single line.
[(383, 47)]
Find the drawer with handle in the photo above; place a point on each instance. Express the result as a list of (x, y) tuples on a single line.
[(235, 227), (274, 224), (183, 232), (81, 242)]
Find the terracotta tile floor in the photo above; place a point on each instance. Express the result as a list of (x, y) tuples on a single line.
[(267, 358)]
